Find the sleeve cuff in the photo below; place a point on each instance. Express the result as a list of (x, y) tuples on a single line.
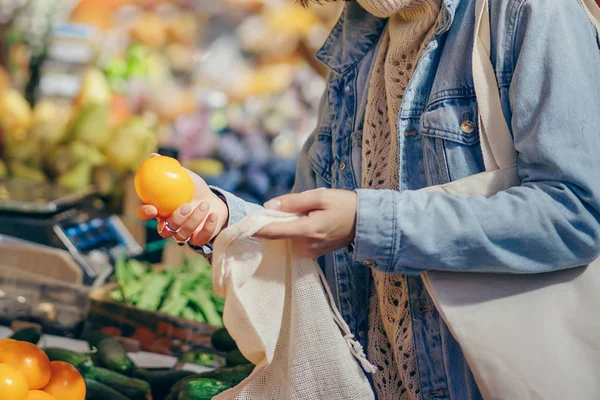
[(376, 231), (205, 250), (235, 205)]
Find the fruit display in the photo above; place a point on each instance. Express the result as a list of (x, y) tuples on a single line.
[(29, 372), (74, 144), (181, 291), (227, 85)]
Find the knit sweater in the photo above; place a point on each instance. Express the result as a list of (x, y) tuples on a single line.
[(390, 345)]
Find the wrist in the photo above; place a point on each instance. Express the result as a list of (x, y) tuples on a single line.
[(222, 211)]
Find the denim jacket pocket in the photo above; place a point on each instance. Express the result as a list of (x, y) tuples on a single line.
[(451, 128), (320, 156)]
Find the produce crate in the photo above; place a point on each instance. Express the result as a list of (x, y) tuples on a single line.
[(48, 262), (156, 332), (58, 306)]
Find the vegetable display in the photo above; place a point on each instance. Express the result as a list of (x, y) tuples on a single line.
[(110, 352), (66, 143), (183, 291), (28, 372)]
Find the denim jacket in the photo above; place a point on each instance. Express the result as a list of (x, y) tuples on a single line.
[(546, 58)]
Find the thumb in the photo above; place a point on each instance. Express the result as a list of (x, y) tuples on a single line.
[(297, 202)]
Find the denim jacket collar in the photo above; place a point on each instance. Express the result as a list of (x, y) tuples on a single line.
[(357, 31)]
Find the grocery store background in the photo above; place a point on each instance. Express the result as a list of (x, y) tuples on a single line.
[(88, 90)]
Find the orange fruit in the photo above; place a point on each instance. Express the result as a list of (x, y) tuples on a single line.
[(66, 382), (13, 384), (30, 360), (4, 342), (162, 182), (39, 395)]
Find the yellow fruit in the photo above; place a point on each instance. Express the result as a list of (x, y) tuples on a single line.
[(49, 122), (13, 384), (163, 183), (15, 114), (94, 89), (149, 30), (206, 167), (4, 79), (30, 360), (4, 342), (39, 395)]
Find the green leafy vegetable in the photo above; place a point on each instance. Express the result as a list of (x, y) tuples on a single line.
[(181, 291)]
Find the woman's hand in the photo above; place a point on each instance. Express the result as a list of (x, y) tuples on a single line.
[(328, 223), (197, 222)]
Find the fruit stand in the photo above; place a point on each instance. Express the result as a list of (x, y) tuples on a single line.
[(94, 304)]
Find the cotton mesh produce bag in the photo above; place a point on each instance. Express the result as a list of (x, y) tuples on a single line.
[(281, 314)]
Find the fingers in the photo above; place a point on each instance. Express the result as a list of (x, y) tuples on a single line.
[(193, 222), (172, 224), (284, 230), (146, 212), (207, 232), (298, 202)]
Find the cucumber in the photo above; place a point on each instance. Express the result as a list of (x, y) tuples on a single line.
[(30, 334), (235, 358), (111, 353), (221, 340), (203, 358), (80, 361), (161, 381), (97, 391), (202, 389), (135, 389), (230, 375)]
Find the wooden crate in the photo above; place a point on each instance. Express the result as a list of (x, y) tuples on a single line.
[(156, 332)]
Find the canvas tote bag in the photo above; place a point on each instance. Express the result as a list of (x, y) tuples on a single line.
[(280, 312), (525, 337)]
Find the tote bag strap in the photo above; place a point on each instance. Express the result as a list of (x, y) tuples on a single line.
[(593, 12), (495, 137), (496, 140)]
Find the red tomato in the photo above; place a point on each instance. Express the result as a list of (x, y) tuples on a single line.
[(66, 382), (30, 360)]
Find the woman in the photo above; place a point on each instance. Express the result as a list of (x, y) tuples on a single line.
[(400, 114)]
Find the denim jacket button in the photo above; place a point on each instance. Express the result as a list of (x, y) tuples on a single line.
[(347, 89), (369, 263), (467, 127), (362, 334), (342, 166)]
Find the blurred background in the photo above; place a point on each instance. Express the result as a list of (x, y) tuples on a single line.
[(88, 89)]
